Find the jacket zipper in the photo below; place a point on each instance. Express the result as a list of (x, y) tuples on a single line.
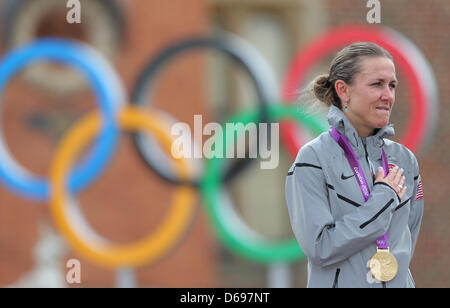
[(336, 277), (367, 159), (365, 150)]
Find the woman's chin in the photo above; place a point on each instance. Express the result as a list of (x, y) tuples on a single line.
[(382, 122)]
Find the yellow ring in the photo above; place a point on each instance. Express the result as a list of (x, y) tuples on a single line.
[(144, 251)]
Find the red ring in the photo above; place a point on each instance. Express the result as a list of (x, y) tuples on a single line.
[(336, 39)]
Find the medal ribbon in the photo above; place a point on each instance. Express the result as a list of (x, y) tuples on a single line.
[(359, 174)]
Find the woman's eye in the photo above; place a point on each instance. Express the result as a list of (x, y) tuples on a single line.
[(393, 86), (376, 84)]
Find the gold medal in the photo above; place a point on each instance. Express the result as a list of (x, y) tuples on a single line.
[(383, 265)]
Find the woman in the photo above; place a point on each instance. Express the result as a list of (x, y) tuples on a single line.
[(355, 199)]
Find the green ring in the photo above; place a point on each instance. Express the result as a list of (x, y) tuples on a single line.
[(231, 230)]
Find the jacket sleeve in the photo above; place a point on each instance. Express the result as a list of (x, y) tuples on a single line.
[(323, 239), (417, 206)]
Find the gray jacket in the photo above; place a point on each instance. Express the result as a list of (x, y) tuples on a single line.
[(333, 225)]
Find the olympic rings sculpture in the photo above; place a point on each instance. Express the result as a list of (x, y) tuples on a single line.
[(66, 181)]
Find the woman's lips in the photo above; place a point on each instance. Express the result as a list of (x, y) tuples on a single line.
[(383, 108), (384, 111)]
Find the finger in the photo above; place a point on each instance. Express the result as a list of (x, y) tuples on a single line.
[(402, 180), (380, 175), (400, 183), (402, 192), (398, 176), (392, 173)]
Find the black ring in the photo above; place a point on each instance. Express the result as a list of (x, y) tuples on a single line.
[(240, 52)]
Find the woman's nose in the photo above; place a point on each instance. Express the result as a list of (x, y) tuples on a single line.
[(388, 94)]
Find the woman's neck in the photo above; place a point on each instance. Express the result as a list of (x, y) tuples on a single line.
[(362, 130), (365, 133)]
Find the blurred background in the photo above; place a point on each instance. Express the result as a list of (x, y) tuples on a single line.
[(129, 200)]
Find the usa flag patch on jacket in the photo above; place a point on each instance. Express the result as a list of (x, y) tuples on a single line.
[(419, 194)]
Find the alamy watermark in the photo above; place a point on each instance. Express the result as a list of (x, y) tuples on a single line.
[(374, 15), (263, 141), (74, 273), (74, 14)]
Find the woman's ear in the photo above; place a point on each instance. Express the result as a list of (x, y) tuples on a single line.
[(342, 90)]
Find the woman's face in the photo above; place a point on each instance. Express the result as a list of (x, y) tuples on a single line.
[(371, 96)]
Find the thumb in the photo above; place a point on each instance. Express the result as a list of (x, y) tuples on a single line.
[(380, 174)]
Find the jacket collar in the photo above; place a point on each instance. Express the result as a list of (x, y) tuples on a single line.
[(338, 119)]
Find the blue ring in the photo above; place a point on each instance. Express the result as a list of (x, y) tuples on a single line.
[(109, 93)]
